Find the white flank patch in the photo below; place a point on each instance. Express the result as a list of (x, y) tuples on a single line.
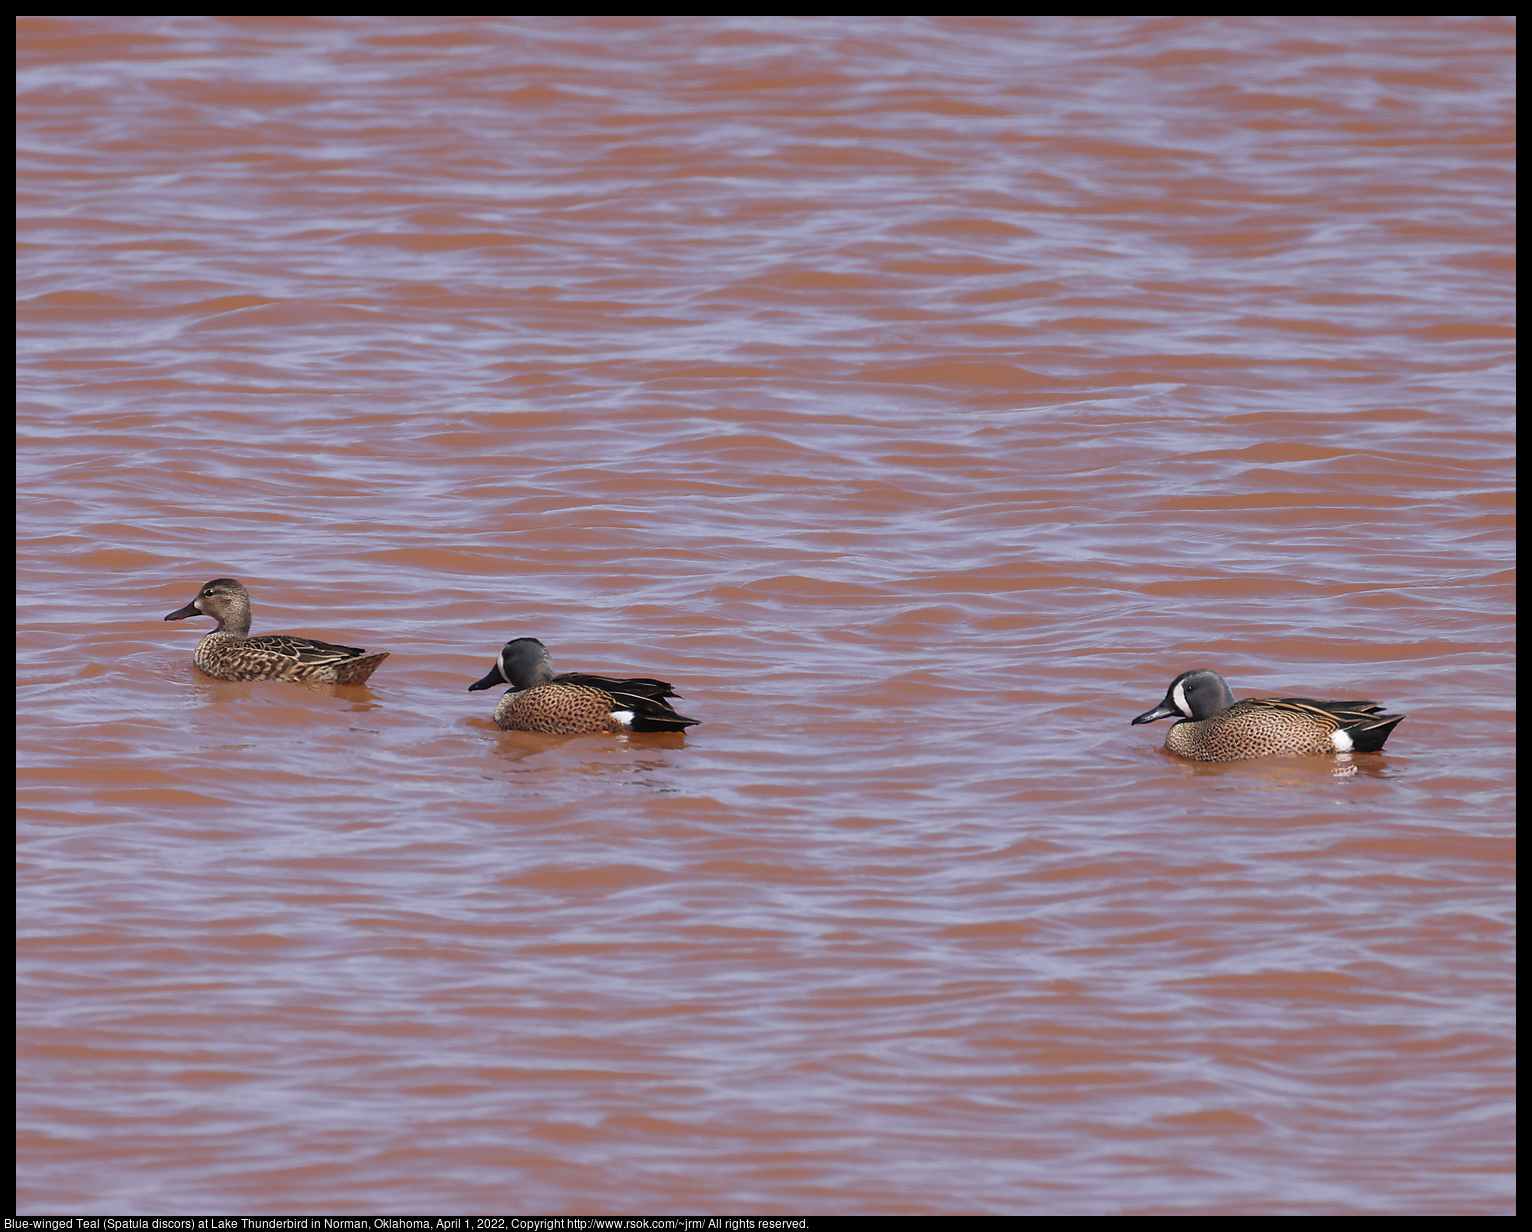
[(1342, 742), (625, 717), (1178, 695)]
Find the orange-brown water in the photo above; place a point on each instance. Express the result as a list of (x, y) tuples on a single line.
[(919, 396)]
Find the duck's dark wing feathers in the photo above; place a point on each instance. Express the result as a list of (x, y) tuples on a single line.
[(637, 686), (1308, 703), (303, 649), (1344, 712)]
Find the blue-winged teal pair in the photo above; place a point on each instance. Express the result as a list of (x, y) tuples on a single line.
[(1214, 727), (569, 704)]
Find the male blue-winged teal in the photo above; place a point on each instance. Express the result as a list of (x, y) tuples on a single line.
[(573, 703), (230, 653), (1214, 727)]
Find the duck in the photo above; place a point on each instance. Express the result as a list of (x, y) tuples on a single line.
[(574, 703), (230, 653), (1212, 726)]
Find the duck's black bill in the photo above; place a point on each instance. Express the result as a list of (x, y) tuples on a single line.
[(489, 682), (1163, 711)]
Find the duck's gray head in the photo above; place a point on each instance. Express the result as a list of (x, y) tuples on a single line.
[(1198, 694), (224, 599), (523, 663)]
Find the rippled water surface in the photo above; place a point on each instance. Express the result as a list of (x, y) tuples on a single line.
[(919, 396)]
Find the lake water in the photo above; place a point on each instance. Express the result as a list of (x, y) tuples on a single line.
[(919, 395)]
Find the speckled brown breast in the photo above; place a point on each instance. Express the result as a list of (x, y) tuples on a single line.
[(1239, 737), (1266, 727), (558, 710)]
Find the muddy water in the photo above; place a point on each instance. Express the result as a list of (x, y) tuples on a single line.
[(919, 396)]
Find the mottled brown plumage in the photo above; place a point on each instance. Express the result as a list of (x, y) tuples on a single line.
[(230, 653), (573, 703), (1214, 727)]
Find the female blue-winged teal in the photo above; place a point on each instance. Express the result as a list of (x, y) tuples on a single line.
[(230, 653), (573, 703), (1214, 727)]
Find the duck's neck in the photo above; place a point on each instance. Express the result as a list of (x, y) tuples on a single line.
[(235, 625)]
